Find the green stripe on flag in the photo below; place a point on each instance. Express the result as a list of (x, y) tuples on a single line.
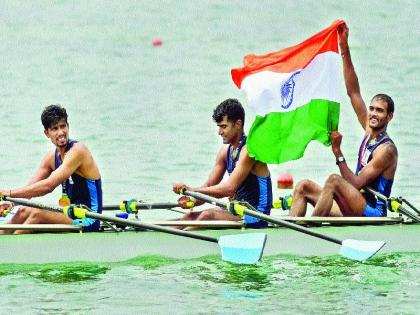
[(280, 137)]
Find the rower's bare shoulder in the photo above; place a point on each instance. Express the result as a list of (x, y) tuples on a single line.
[(246, 158), (387, 152), (79, 149), (244, 154), (390, 150), (79, 146), (78, 152), (258, 168)]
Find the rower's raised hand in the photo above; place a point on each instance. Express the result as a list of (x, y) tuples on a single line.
[(336, 138), (343, 36)]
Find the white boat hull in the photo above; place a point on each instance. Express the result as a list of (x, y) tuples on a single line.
[(112, 246)]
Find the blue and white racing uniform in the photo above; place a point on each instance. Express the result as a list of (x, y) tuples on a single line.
[(83, 191), (374, 207), (255, 189)]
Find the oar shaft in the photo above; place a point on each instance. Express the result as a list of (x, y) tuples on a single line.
[(144, 206), (411, 206), (33, 204), (406, 212), (292, 226), (103, 217), (265, 217), (149, 226), (377, 194)]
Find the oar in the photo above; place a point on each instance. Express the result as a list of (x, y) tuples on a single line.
[(138, 205), (239, 248), (133, 206), (409, 204), (352, 249), (395, 204)]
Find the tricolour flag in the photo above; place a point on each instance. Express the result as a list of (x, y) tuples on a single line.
[(295, 93)]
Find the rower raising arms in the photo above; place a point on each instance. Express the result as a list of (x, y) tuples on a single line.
[(377, 160), (249, 180), (72, 165)]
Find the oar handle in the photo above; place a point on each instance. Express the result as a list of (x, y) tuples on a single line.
[(262, 216), (103, 217), (204, 197)]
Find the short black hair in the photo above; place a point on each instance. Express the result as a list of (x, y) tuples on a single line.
[(52, 114), (231, 108), (387, 99)]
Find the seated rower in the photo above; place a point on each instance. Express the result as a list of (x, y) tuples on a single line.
[(249, 180), (377, 163), (72, 165)]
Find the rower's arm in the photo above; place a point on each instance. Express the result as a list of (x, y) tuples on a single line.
[(219, 168), (383, 158), (348, 175), (229, 187), (350, 78), (71, 163)]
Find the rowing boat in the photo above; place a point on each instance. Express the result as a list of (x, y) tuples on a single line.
[(111, 246), (239, 248)]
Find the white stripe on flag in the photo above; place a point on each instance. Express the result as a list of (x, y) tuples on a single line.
[(319, 80)]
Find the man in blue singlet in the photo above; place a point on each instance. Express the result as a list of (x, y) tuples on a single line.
[(249, 180), (71, 164), (377, 159)]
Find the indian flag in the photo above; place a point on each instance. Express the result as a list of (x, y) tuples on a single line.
[(295, 93)]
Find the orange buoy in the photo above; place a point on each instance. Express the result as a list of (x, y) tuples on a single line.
[(285, 181), (157, 42)]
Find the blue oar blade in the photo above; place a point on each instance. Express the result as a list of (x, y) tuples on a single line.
[(360, 250), (242, 248)]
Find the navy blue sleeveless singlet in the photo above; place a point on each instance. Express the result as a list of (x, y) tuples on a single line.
[(255, 189), (374, 207), (84, 191)]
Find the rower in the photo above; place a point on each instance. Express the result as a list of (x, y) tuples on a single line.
[(71, 164), (377, 163), (249, 180)]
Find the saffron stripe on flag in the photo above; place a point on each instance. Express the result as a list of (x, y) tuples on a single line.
[(292, 58)]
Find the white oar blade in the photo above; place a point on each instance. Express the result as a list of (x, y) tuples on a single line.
[(360, 250), (242, 248)]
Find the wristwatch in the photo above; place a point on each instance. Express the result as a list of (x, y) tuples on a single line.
[(340, 159)]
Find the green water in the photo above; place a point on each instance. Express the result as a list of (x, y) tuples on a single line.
[(280, 284), (145, 113)]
